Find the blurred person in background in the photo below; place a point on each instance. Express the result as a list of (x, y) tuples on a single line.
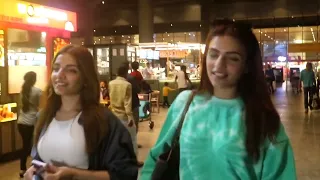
[(135, 73), (148, 71), (121, 102), (30, 98), (270, 77), (104, 90), (75, 136), (182, 79), (232, 129), (308, 80)]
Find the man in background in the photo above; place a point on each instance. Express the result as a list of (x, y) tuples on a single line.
[(135, 90), (308, 80)]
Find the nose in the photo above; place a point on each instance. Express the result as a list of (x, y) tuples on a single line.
[(220, 63), (60, 73)]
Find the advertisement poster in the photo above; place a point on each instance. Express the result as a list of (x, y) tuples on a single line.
[(1, 48), (59, 43)]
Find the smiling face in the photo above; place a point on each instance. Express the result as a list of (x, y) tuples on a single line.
[(225, 61), (65, 76)]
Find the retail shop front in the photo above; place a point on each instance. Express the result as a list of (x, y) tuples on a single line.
[(166, 60), (30, 35)]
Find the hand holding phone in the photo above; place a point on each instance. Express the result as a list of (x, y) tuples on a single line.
[(39, 166)]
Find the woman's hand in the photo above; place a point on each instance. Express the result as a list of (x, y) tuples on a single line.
[(30, 173), (57, 173)]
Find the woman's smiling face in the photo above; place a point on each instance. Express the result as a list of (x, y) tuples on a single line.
[(225, 61), (65, 76)]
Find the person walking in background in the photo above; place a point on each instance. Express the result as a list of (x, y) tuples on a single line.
[(309, 82), (182, 79), (165, 94), (135, 73), (121, 102), (135, 80), (270, 78), (318, 82), (30, 97)]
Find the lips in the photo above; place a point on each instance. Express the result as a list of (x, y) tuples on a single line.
[(219, 74), (60, 84)]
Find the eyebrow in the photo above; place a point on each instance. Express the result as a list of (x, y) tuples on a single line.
[(229, 52), (68, 65)]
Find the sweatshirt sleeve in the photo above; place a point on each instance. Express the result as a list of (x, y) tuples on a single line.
[(117, 153), (166, 135), (279, 160)]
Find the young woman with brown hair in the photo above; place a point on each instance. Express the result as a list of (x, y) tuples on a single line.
[(75, 136), (232, 130), (30, 102)]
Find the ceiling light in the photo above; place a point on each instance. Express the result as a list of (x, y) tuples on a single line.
[(94, 30), (102, 2), (104, 37), (171, 25), (200, 25), (284, 30), (265, 34), (131, 26), (115, 31)]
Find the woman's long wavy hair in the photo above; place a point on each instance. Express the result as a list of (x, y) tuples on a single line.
[(93, 120), (261, 118), (30, 79)]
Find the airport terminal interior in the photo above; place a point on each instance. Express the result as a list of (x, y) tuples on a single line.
[(145, 46)]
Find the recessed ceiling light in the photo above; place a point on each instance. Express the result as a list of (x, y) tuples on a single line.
[(102, 2)]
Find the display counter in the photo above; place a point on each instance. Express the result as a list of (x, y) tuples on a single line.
[(10, 140), (159, 84)]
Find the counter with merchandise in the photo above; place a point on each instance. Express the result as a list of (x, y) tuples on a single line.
[(10, 140)]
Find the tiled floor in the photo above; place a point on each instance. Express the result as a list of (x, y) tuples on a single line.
[(303, 130)]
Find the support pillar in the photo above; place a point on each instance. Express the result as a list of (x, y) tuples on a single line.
[(205, 20), (145, 11), (86, 24)]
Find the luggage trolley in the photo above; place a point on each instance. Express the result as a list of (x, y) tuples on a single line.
[(145, 109)]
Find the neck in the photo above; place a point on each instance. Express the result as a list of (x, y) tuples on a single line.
[(70, 103), (225, 93)]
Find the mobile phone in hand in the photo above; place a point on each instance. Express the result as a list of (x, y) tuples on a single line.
[(40, 166)]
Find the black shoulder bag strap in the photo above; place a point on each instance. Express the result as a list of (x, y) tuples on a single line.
[(167, 165), (176, 137)]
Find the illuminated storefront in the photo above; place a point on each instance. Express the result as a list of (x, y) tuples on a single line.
[(30, 34)]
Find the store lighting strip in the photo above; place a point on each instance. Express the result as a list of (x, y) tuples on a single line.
[(314, 39)]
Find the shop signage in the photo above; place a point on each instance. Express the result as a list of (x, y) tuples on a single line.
[(173, 54), (308, 47), (35, 14)]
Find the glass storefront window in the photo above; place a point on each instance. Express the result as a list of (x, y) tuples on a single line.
[(295, 35), (26, 52)]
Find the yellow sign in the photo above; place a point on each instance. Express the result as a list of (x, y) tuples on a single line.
[(173, 53), (38, 15), (308, 47)]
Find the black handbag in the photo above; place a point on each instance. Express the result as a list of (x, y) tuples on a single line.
[(167, 166)]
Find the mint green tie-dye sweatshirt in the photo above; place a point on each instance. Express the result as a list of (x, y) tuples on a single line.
[(212, 144)]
